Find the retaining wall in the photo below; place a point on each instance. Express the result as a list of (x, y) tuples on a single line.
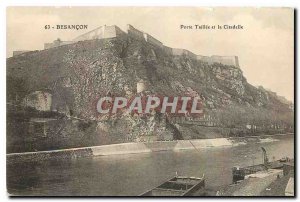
[(183, 145), (124, 148), (46, 155), (115, 149), (127, 148)]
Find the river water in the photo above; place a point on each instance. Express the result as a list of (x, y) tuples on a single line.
[(133, 174)]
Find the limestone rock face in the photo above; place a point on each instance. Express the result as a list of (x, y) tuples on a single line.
[(78, 74)]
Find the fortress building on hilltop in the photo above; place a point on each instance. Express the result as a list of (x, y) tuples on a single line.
[(226, 60), (57, 43), (19, 52), (106, 32), (103, 32)]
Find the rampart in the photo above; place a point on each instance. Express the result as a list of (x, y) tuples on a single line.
[(135, 32), (226, 60), (114, 31), (57, 43), (102, 32), (178, 51), (20, 52), (150, 39), (168, 50)]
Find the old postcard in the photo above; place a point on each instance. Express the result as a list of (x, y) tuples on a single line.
[(150, 101)]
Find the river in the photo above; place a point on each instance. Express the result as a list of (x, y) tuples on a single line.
[(133, 174)]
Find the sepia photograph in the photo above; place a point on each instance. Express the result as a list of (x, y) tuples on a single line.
[(150, 101)]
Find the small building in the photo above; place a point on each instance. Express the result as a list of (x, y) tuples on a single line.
[(141, 86), (56, 43), (39, 100)]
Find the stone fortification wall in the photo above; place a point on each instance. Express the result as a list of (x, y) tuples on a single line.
[(135, 32), (225, 60), (103, 32), (57, 43), (114, 31), (94, 34), (150, 39), (20, 52), (190, 54), (168, 50), (178, 51), (118, 31), (203, 58), (143, 36), (237, 63)]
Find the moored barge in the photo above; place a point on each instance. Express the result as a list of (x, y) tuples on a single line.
[(179, 186), (239, 174)]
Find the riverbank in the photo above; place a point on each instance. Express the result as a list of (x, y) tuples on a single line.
[(253, 185), (136, 147), (100, 175)]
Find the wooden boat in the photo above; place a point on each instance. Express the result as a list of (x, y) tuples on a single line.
[(179, 186)]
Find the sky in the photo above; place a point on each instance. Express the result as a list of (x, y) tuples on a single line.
[(265, 45)]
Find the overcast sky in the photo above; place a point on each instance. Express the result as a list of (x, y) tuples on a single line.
[(265, 45)]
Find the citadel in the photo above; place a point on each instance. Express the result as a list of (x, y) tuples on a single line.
[(106, 32)]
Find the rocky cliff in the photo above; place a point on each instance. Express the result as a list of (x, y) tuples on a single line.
[(78, 74)]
